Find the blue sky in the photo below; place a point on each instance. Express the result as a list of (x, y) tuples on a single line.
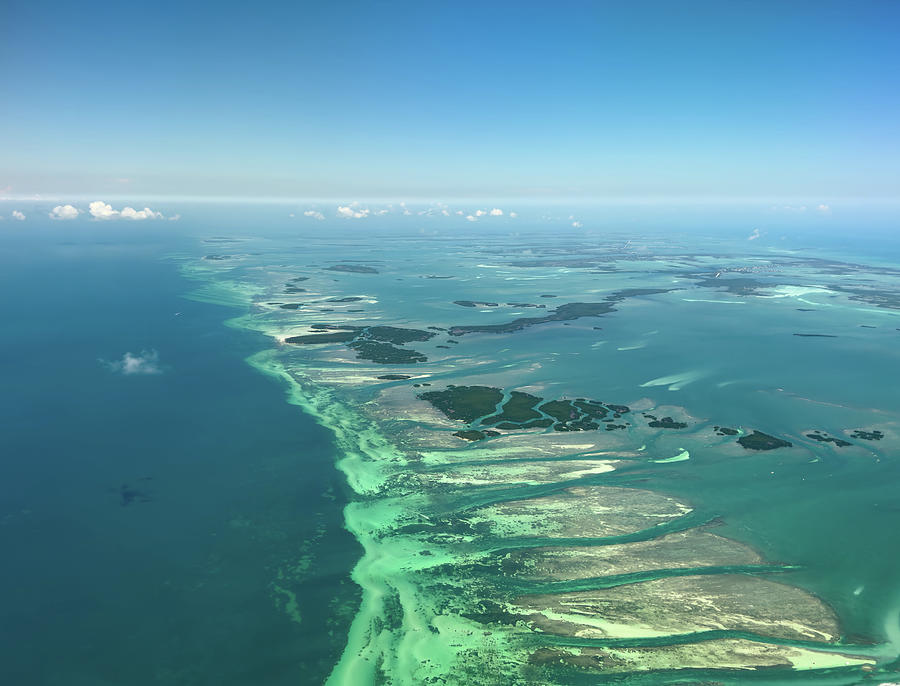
[(428, 99)]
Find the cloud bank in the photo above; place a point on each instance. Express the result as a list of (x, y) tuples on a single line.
[(101, 210)]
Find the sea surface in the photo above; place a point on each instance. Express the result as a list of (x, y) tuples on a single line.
[(187, 496)]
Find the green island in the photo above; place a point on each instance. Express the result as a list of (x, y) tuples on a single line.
[(817, 435), (760, 441), (874, 435), (377, 344), (475, 435), (735, 286), (394, 377), (474, 303), (385, 353), (466, 403), (664, 423), (352, 269), (815, 335), (477, 405), (563, 313), (725, 431)]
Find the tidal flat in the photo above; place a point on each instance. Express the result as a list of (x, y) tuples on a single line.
[(620, 484)]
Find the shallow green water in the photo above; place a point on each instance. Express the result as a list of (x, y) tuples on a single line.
[(708, 352)]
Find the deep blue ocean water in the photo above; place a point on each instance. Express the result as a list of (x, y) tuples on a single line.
[(101, 588)]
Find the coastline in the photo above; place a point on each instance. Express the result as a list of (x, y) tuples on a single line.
[(398, 630)]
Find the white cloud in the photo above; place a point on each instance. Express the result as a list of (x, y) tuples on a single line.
[(18, 215), (145, 362), (64, 212), (577, 225), (174, 217), (513, 215), (315, 214), (823, 209), (471, 218), (753, 236), (496, 212), (480, 213), (100, 210), (139, 215), (460, 212), (350, 212), (446, 213)]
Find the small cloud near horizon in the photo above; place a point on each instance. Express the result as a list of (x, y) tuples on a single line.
[(64, 212), (16, 214), (753, 236), (315, 214), (144, 363), (352, 212)]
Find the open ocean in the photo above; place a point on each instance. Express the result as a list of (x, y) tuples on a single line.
[(179, 583)]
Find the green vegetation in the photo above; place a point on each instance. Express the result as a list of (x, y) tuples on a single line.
[(394, 377), (873, 435), (591, 408), (561, 410), (385, 353), (352, 268), (534, 424), (395, 334), (562, 313), (725, 431), (824, 438), (470, 435), (519, 408), (735, 286), (465, 403), (760, 441), (474, 303), (320, 338), (374, 343), (667, 423)]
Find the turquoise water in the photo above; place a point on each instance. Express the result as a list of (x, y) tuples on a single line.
[(264, 541)]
